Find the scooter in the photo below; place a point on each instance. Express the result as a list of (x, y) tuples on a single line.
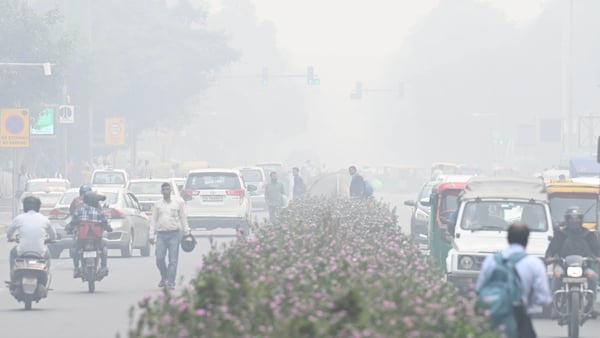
[(574, 302), (30, 278)]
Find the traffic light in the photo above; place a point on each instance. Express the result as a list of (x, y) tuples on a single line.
[(265, 76), (310, 77), (356, 93)]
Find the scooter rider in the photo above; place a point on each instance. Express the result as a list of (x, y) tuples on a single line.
[(33, 229), (573, 240), (90, 211)]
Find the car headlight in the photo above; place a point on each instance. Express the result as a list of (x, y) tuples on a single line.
[(421, 215), (574, 271), (466, 262)]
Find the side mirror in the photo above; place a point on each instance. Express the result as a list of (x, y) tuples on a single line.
[(186, 197), (251, 187), (145, 207), (410, 203)]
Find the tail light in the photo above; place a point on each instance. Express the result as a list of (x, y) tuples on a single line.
[(57, 214), (191, 192), (113, 213), (236, 192)]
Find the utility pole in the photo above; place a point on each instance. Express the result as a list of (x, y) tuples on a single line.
[(568, 73)]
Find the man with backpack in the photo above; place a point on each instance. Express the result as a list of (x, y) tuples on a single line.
[(512, 284)]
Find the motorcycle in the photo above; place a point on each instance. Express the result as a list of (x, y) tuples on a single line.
[(574, 301), (30, 278), (89, 248)]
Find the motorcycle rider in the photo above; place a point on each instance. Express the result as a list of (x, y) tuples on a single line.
[(78, 200), (90, 211), (33, 229), (573, 240)]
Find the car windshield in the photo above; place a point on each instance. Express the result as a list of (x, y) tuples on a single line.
[(48, 199), (146, 188), (68, 197), (449, 203), (109, 178), (586, 204), (47, 186), (202, 181), (426, 191), (252, 175), (498, 215)]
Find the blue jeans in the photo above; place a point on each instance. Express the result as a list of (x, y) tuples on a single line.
[(167, 241)]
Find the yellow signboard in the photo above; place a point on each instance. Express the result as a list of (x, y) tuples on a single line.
[(114, 131), (14, 128), (164, 136)]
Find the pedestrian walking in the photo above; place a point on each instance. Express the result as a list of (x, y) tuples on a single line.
[(299, 186), (169, 220), (274, 196)]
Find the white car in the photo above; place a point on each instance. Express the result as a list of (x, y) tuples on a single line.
[(110, 177), (255, 176), (217, 198)]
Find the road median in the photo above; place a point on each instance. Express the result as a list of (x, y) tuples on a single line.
[(333, 268)]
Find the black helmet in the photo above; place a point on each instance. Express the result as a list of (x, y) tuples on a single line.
[(83, 189), (32, 203), (573, 216), (188, 243), (91, 198)]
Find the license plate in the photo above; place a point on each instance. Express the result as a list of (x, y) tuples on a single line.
[(574, 280), (89, 254), (210, 198), (29, 281)]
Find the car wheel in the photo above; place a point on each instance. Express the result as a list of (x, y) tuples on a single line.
[(128, 248)]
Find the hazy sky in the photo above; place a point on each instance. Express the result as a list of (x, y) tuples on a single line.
[(348, 41)]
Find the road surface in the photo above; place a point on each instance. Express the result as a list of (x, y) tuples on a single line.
[(70, 311)]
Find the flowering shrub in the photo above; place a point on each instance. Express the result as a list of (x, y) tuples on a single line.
[(334, 268)]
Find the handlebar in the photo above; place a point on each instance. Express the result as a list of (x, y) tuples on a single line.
[(561, 260)]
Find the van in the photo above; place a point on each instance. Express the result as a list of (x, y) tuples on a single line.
[(487, 207)]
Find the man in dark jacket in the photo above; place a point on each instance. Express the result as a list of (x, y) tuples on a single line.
[(357, 186), (574, 240)]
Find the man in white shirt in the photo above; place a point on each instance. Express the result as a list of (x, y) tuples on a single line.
[(168, 221), (33, 229)]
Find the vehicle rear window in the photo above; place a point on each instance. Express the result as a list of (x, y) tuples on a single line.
[(201, 181), (68, 197), (111, 197), (48, 199), (145, 188), (47, 186), (269, 168), (108, 178), (252, 175)]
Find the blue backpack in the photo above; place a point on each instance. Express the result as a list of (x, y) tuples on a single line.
[(368, 189), (502, 292)]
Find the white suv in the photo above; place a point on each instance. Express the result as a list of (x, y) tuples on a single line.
[(217, 198)]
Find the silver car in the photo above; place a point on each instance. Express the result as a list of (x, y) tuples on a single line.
[(148, 191), (131, 226), (255, 176)]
